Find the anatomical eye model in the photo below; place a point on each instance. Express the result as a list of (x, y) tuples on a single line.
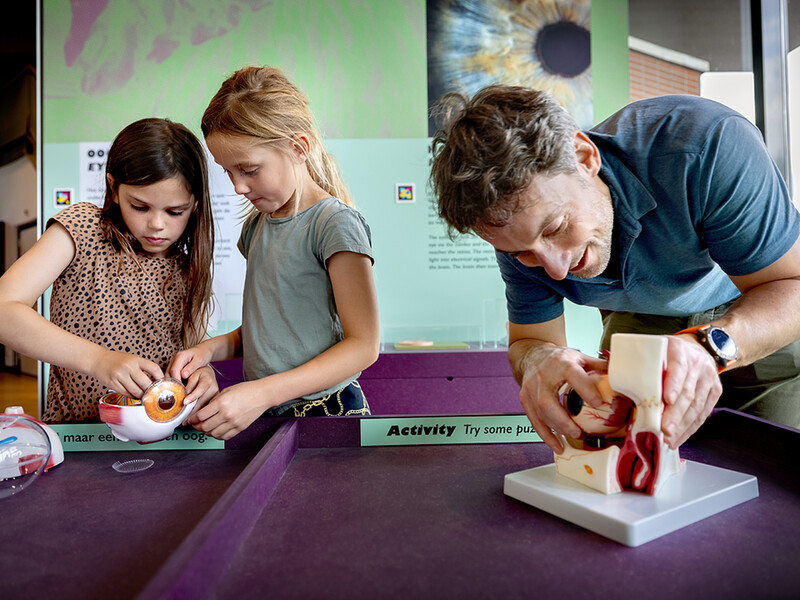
[(621, 446)]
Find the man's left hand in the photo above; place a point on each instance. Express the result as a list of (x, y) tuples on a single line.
[(691, 389)]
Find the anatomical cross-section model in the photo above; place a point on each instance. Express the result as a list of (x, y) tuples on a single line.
[(622, 446)]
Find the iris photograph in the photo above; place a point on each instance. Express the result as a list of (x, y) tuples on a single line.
[(541, 44)]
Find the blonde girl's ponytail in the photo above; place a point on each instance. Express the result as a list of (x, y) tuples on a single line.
[(261, 102), (325, 172)]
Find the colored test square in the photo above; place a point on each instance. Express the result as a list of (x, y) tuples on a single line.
[(404, 193), (62, 197)]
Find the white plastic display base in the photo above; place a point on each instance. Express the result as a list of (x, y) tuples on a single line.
[(633, 518)]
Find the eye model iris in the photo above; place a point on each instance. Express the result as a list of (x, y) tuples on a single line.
[(563, 49)]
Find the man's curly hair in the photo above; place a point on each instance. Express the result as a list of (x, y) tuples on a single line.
[(490, 147)]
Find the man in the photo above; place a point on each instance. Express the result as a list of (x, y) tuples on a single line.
[(669, 215)]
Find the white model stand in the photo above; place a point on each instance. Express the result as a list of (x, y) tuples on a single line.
[(582, 486), (633, 518)]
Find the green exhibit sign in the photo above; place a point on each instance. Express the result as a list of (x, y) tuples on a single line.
[(97, 437), (481, 429)]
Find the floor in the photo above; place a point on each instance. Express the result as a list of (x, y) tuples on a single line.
[(19, 390)]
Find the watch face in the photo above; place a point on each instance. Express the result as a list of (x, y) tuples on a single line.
[(723, 343)]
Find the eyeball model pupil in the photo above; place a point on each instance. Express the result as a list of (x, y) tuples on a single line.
[(563, 49), (166, 402), (574, 403)]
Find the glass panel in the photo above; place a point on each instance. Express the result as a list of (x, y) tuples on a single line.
[(690, 47), (793, 77)]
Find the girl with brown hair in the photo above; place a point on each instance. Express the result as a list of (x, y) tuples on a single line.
[(131, 281)]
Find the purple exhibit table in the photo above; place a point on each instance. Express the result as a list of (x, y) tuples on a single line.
[(433, 382), (313, 514), (83, 530)]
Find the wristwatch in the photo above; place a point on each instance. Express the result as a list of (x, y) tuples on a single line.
[(719, 344)]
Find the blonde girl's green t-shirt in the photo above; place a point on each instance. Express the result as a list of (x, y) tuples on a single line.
[(288, 312)]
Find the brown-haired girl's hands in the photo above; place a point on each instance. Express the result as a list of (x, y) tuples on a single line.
[(186, 362), (126, 373)]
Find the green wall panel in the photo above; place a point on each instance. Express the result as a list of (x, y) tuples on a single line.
[(363, 66)]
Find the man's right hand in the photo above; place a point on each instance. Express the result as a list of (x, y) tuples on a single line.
[(543, 369)]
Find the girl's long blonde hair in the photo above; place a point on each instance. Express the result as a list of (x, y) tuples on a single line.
[(261, 102), (149, 151)]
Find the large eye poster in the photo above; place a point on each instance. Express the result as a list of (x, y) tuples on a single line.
[(541, 44)]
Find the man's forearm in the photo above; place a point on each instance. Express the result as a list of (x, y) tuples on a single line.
[(764, 320)]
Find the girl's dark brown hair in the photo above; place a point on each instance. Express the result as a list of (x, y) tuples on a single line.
[(149, 151)]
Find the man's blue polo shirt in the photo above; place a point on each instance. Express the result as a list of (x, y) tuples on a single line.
[(696, 197)]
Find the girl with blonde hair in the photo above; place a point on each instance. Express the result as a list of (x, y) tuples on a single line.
[(310, 317)]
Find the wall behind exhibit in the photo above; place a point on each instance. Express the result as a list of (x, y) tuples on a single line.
[(364, 67)]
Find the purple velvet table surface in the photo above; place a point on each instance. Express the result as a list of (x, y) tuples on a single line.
[(296, 509), (316, 516), (83, 530)]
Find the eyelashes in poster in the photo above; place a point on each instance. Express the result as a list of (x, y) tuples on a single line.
[(542, 44)]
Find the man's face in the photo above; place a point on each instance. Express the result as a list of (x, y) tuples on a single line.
[(565, 226)]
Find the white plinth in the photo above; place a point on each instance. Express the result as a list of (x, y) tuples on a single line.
[(632, 518)]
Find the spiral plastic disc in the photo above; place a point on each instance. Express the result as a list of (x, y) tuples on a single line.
[(133, 466)]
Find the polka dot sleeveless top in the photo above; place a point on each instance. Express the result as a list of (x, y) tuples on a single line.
[(116, 304)]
